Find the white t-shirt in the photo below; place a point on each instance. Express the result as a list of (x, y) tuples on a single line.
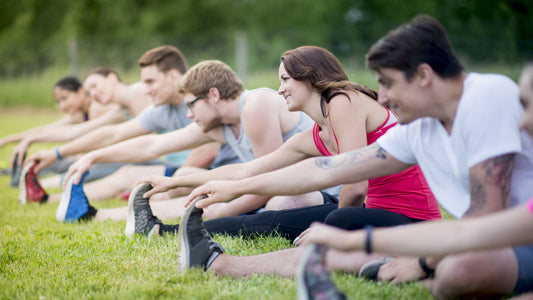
[(485, 126)]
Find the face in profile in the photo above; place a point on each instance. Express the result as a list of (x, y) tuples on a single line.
[(99, 87), (69, 101), (526, 97), (159, 86)]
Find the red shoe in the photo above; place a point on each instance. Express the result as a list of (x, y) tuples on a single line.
[(29, 188)]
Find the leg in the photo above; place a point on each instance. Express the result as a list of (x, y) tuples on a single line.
[(493, 272)]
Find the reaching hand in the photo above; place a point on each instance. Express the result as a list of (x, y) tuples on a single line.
[(43, 159), (77, 169), (216, 191), (18, 152), (159, 184), (322, 234), (400, 270)]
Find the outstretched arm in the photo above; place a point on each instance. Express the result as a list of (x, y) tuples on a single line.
[(307, 176), (140, 149), (507, 228)]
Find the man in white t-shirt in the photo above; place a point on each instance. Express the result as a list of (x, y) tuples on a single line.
[(461, 129)]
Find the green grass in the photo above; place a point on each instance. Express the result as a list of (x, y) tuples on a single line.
[(43, 259)]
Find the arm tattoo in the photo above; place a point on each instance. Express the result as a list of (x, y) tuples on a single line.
[(496, 173), (329, 162)]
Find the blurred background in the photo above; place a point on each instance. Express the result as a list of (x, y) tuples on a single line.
[(50, 38)]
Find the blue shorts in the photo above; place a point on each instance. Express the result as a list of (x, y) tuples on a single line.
[(524, 254)]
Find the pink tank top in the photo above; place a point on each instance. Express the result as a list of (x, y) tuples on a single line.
[(530, 205), (406, 193)]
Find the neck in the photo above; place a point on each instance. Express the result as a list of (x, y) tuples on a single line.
[(229, 109), (122, 94), (448, 94)]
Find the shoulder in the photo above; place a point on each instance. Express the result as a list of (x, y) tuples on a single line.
[(261, 100)]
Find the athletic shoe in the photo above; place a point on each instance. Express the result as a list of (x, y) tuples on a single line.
[(141, 220), (29, 187), (196, 248), (15, 171), (74, 204), (312, 277), (370, 269)]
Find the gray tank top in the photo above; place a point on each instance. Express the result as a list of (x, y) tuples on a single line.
[(242, 146)]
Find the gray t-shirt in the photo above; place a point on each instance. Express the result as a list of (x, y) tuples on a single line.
[(165, 118)]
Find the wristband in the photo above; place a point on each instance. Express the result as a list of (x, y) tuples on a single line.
[(368, 240), (58, 154), (424, 266)]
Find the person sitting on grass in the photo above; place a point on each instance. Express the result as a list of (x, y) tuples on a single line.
[(251, 122), (443, 131), (347, 117), (161, 69), (511, 227)]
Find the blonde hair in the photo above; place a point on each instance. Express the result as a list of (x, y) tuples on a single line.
[(208, 74)]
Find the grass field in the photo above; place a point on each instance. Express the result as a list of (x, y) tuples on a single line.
[(43, 259)]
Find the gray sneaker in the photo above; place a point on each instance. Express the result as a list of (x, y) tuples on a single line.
[(312, 277), (196, 248), (370, 270), (141, 220)]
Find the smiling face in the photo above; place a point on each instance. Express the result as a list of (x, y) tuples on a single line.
[(202, 111), (526, 97), (99, 87), (69, 101), (401, 96), (160, 86), (295, 92)]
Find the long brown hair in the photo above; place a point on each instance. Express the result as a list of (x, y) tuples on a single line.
[(324, 71)]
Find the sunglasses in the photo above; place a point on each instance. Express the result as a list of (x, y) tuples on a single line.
[(190, 104)]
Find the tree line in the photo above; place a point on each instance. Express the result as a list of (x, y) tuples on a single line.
[(36, 34)]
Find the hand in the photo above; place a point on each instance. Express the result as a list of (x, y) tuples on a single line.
[(322, 234), (159, 184), (19, 151), (216, 191), (43, 159), (77, 169), (402, 269)]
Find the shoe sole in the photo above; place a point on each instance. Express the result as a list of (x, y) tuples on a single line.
[(303, 293), (130, 223), (65, 201), (23, 199), (372, 263), (184, 248)]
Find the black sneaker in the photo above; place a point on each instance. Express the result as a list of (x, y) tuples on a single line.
[(312, 277), (16, 170), (370, 269), (196, 248), (141, 220)]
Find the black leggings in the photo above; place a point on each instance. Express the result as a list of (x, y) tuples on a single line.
[(291, 223)]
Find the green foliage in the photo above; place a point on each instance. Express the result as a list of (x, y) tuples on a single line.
[(36, 34)]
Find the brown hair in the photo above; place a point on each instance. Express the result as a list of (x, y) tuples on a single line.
[(104, 71), (324, 71), (208, 74), (424, 40), (166, 58)]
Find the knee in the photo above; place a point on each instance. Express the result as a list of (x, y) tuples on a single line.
[(454, 276)]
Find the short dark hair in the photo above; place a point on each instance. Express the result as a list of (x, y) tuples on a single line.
[(165, 58), (70, 83), (423, 40), (104, 71)]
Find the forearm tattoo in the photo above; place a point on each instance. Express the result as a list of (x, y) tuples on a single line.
[(496, 173), (355, 157)]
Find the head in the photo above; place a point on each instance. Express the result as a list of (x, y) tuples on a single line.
[(317, 70), (69, 94), (209, 82), (100, 83), (161, 69), (412, 51), (526, 97)]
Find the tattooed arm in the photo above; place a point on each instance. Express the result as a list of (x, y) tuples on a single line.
[(307, 176), (490, 183)]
